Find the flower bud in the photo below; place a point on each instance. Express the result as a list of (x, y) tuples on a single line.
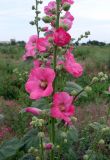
[(65, 140), (57, 146), (47, 19), (66, 6), (73, 93), (85, 157), (32, 22), (100, 74), (101, 142), (106, 76), (33, 7), (64, 26), (41, 135), (74, 119), (88, 89), (48, 146), (95, 79), (63, 134), (37, 158)]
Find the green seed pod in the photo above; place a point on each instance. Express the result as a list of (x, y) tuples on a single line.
[(66, 7)]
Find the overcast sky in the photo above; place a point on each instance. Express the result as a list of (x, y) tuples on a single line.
[(92, 15)]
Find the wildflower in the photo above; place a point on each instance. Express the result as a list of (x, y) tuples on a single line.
[(61, 37), (62, 107), (39, 83), (33, 110), (72, 66)]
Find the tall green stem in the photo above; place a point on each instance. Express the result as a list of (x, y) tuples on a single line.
[(36, 18), (55, 57), (42, 150)]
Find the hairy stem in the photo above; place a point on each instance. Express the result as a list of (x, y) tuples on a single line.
[(36, 19)]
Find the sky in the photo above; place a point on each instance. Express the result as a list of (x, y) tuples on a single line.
[(90, 15)]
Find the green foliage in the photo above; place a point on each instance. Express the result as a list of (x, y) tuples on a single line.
[(10, 148)]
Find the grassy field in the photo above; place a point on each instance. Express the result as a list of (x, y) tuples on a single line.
[(13, 75)]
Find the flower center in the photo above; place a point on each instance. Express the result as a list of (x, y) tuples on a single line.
[(62, 108), (43, 84)]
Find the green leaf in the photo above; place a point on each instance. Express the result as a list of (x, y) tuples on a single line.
[(41, 104), (73, 135), (27, 157), (31, 139), (72, 86), (10, 148)]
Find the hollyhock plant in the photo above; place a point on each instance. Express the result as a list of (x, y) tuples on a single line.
[(72, 66), (33, 110), (61, 37), (40, 82), (62, 107)]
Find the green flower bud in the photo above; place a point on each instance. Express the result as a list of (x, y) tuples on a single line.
[(65, 140), (74, 119), (88, 89), (85, 157), (41, 135), (106, 76), (101, 141), (37, 158), (63, 134), (73, 93), (95, 79), (64, 26), (47, 19), (103, 79), (66, 7), (33, 7), (100, 74), (32, 22), (57, 146)]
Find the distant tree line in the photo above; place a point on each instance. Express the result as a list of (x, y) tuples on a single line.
[(96, 43)]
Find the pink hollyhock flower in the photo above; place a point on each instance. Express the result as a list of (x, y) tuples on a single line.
[(37, 63), (67, 1), (48, 146), (72, 66), (68, 16), (33, 110), (30, 47), (42, 44), (62, 107), (67, 20), (39, 83), (50, 8), (61, 37)]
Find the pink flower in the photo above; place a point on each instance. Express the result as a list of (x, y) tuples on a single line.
[(67, 20), (37, 63), (50, 8), (61, 37), (30, 47), (72, 66), (48, 146), (42, 44), (67, 1), (39, 83), (62, 107), (108, 89), (33, 110)]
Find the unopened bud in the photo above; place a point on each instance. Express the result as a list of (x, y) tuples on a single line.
[(46, 19), (101, 141), (65, 140), (32, 22), (33, 7), (86, 157), (88, 89), (73, 93), (100, 74), (95, 79), (41, 135), (66, 6)]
